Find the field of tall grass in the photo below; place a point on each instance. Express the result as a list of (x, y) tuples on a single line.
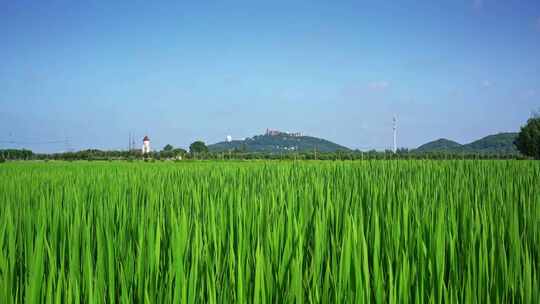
[(270, 232)]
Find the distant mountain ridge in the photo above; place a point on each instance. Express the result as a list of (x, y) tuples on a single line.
[(502, 143), (275, 142)]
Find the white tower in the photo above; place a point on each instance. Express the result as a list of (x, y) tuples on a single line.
[(146, 145), (395, 133), (229, 138)]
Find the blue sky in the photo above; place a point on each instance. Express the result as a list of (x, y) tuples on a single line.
[(184, 71)]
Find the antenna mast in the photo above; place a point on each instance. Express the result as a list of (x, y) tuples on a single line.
[(133, 145), (395, 133)]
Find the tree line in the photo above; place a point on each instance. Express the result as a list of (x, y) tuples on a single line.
[(181, 154)]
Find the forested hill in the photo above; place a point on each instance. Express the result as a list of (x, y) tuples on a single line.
[(440, 145), (278, 143), (502, 143)]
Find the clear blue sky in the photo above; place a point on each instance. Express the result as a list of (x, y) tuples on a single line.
[(207, 69)]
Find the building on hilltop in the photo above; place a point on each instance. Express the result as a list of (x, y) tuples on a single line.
[(270, 132)]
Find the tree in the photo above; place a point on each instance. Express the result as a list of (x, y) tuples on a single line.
[(17, 154), (198, 147), (168, 148), (179, 151), (528, 140)]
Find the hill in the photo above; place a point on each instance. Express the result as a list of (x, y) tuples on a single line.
[(282, 142), (502, 143), (440, 145)]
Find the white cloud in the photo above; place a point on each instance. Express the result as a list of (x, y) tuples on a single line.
[(478, 4), (378, 85)]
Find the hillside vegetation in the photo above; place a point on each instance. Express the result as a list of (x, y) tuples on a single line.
[(502, 143)]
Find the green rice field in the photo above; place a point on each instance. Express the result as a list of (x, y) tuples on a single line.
[(270, 232)]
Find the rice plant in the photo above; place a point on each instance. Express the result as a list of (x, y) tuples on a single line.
[(270, 232)]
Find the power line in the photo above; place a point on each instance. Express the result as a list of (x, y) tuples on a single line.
[(394, 127), (68, 145)]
